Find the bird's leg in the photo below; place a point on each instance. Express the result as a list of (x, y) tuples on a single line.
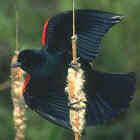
[(75, 66), (71, 105)]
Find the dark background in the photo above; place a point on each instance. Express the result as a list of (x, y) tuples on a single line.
[(119, 53)]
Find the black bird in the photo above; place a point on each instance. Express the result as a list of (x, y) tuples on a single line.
[(44, 90)]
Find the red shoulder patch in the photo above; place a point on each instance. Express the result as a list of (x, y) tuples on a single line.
[(26, 82), (44, 33)]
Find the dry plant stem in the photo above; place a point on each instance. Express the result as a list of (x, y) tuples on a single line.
[(74, 37), (73, 17), (16, 30), (76, 95), (5, 85), (76, 136), (74, 49), (17, 98)]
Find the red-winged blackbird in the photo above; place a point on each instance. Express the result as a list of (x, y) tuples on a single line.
[(44, 90)]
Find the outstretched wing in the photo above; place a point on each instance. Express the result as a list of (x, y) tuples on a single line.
[(53, 108), (108, 95), (91, 26), (113, 95)]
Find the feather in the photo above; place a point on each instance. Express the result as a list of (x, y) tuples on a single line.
[(91, 26), (113, 94)]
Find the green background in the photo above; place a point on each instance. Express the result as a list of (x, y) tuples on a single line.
[(119, 53)]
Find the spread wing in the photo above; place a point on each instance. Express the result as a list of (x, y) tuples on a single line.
[(91, 26), (111, 93), (55, 109), (114, 92), (52, 108)]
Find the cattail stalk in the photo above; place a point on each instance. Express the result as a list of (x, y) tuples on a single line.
[(74, 37), (18, 101), (77, 100), (17, 80), (75, 85)]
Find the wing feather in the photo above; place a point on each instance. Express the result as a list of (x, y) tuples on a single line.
[(91, 26)]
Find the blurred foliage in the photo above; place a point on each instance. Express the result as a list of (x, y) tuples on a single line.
[(119, 53)]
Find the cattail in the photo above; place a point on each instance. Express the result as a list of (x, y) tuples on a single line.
[(17, 98), (77, 99), (75, 85)]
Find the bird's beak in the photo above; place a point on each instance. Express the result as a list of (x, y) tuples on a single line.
[(17, 64)]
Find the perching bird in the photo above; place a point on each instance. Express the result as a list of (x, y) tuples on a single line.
[(44, 89)]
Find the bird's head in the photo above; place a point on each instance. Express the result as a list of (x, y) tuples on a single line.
[(28, 60)]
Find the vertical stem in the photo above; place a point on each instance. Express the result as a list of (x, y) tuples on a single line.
[(18, 101), (73, 17), (74, 37), (76, 136), (16, 93), (16, 29), (74, 51)]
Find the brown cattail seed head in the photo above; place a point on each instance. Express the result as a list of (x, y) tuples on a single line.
[(17, 98), (77, 99)]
